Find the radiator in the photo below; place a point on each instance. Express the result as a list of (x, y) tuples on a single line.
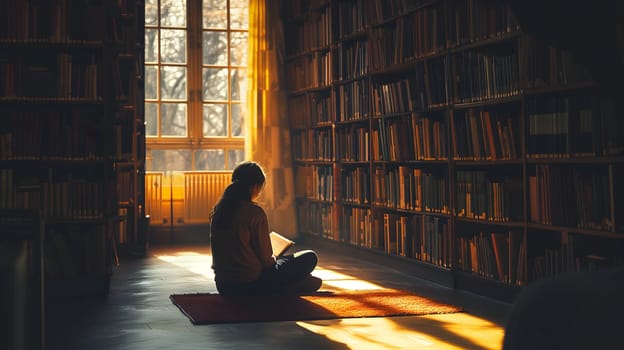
[(153, 196), (201, 192)]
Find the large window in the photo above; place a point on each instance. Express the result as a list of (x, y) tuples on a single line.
[(195, 83)]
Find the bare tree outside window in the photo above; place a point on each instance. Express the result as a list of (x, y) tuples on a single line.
[(195, 93)]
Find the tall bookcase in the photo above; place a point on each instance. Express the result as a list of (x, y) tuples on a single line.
[(128, 66), (439, 133), (70, 133)]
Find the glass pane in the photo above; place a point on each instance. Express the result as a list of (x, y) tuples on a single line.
[(215, 120), (239, 18), (214, 14), (239, 84), (151, 86), (151, 45), (173, 46), (210, 159), (173, 83), (151, 12), (173, 13), (151, 119), (237, 120), (215, 48), (170, 160), (238, 49), (235, 156), (215, 84), (173, 119)]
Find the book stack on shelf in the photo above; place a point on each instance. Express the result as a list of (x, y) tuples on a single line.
[(61, 133), (448, 137)]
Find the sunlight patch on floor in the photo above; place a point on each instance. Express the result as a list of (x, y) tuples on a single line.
[(439, 332), (341, 281), (192, 261), (200, 263)]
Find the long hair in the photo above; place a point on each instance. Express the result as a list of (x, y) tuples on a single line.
[(245, 176)]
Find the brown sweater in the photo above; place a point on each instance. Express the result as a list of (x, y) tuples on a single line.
[(241, 253)]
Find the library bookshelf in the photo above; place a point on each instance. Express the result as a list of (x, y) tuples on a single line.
[(69, 148), (439, 133)]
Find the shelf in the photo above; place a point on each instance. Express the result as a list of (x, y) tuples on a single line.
[(78, 101), (61, 127), (576, 230), (45, 44), (503, 151)]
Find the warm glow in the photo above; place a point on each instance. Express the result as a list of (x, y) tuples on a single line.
[(195, 262), (443, 331), (341, 281), (446, 331)]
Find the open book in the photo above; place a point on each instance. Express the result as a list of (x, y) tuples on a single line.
[(279, 243)]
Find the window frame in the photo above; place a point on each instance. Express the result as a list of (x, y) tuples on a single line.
[(194, 139)]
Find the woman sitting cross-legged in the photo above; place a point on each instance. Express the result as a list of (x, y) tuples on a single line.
[(242, 257)]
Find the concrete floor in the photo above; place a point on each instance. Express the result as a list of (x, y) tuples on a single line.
[(137, 314)]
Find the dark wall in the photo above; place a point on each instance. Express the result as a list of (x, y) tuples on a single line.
[(592, 30)]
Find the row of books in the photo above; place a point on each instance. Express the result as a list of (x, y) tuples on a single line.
[(415, 35), (482, 197), (575, 254), (317, 218), (353, 144), (494, 255), (480, 75), (308, 72), (355, 185), (421, 237), (399, 187), (419, 27), (312, 34), (482, 134), (558, 127), (74, 199), (561, 127), (315, 182), (545, 65), (419, 137), (485, 75), (351, 18), (54, 21), (125, 186), (424, 238), (410, 189), (311, 109), (314, 144), (51, 135), (350, 60), (352, 100), (574, 196), (68, 77), (475, 20), (391, 98), (358, 224)]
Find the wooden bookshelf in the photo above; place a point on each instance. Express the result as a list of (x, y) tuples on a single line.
[(70, 72), (450, 138)]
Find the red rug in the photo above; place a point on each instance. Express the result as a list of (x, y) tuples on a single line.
[(214, 308)]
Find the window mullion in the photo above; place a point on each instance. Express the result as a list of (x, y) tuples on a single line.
[(194, 70)]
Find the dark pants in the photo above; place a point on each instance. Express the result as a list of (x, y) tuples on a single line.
[(290, 274)]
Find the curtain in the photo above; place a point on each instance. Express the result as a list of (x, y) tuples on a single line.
[(267, 135)]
